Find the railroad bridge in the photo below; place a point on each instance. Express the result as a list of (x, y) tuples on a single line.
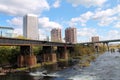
[(27, 57)]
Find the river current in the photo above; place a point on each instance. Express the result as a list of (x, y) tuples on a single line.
[(106, 67)]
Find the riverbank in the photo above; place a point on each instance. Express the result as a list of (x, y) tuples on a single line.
[(61, 65), (82, 61), (4, 71), (105, 67)]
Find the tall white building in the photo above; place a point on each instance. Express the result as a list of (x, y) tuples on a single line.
[(30, 27)]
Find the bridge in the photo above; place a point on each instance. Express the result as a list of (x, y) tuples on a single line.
[(27, 57), (104, 41), (19, 42)]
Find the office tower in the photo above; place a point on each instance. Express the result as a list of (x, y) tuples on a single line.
[(71, 35), (95, 38), (56, 35), (6, 31), (30, 27)]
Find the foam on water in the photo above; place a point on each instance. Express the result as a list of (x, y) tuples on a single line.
[(83, 77)]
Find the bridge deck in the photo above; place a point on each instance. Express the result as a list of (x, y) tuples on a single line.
[(15, 41), (19, 42)]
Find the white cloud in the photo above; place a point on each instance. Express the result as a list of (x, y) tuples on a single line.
[(86, 32), (105, 21), (103, 17), (18, 7), (42, 34), (87, 3), (45, 27), (113, 34), (106, 17), (82, 19), (117, 25), (17, 32), (44, 23), (15, 22), (56, 4), (47, 24)]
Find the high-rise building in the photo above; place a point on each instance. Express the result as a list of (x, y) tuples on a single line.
[(56, 35), (30, 27), (71, 35), (6, 31)]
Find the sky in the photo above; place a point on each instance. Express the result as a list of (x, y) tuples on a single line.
[(90, 17)]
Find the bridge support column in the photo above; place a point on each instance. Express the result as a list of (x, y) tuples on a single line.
[(96, 48), (62, 53), (107, 46), (26, 57), (49, 54)]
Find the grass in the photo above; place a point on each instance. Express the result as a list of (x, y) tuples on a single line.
[(62, 60), (26, 68), (48, 63), (22, 69)]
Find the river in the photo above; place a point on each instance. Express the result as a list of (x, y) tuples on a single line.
[(106, 67)]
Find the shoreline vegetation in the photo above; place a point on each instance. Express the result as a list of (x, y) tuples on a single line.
[(85, 55)]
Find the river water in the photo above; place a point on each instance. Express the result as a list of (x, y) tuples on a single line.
[(106, 67)]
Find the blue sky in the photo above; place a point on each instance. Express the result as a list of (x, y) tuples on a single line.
[(90, 17)]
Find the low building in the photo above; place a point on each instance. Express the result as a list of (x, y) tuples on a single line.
[(95, 39), (6, 31)]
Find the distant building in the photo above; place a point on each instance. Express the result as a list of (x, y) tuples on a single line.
[(6, 31), (71, 35), (56, 35), (95, 38), (30, 27)]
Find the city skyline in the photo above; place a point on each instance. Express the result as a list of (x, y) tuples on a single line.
[(90, 17)]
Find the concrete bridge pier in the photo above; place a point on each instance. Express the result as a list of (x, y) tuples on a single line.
[(97, 48), (26, 57), (62, 52), (49, 54), (106, 43), (104, 47), (107, 46)]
